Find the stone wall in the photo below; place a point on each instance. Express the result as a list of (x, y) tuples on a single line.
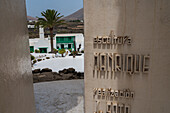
[(127, 56), (16, 85)]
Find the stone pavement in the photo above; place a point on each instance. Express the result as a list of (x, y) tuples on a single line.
[(65, 96)]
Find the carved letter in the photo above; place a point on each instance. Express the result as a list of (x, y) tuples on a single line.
[(121, 93), (114, 108), (110, 62), (137, 64), (108, 109), (109, 40), (129, 41), (99, 93), (146, 64), (96, 61), (116, 93), (132, 94), (125, 38), (120, 108), (99, 39), (118, 62), (127, 109), (94, 93), (104, 39), (120, 40), (103, 93), (103, 62), (95, 40), (129, 64)]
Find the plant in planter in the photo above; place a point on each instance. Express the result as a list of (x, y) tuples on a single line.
[(37, 51), (34, 61), (74, 53), (32, 57), (62, 51), (55, 51), (39, 60), (47, 57)]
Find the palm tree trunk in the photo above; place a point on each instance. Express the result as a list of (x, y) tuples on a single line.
[(51, 36), (74, 44)]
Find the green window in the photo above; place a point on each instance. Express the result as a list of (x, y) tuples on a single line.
[(61, 39), (68, 40), (31, 49)]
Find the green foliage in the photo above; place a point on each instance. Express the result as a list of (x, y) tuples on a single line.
[(74, 52), (62, 51), (37, 51), (34, 61), (55, 50), (32, 57), (75, 21), (51, 18)]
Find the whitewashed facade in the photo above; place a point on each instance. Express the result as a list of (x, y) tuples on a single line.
[(44, 44)]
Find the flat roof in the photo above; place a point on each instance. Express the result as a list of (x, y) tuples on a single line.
[(69, 34)]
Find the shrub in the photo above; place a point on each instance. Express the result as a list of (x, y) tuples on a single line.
[(47, 57), (32, 57), (74, 52), (37, 51), (39, 60), (62, 51), (55, 50), (34, 61)]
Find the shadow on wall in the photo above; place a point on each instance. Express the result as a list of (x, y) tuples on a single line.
[(59, 97)]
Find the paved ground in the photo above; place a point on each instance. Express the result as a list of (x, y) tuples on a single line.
[(59, 96)]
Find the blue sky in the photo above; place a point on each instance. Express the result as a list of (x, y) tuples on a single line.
[(65, 7)]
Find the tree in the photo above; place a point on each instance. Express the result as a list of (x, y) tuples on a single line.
[(51, 18)]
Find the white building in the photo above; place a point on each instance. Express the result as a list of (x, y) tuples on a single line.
[(60, 41), (69, 41)]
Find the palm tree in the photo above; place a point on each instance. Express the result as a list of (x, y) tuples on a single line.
[(51, 18)]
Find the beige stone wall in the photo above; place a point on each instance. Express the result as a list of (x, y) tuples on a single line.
[(147, 22), (16, 86)]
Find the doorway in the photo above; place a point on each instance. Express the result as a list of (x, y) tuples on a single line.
[(43, 50)]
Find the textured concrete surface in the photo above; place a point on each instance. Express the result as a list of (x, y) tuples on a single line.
[(59, 96), (16, 88), (148, 23)]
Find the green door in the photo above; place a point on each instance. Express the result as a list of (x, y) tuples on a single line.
[(31, 49), (43, 50)]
